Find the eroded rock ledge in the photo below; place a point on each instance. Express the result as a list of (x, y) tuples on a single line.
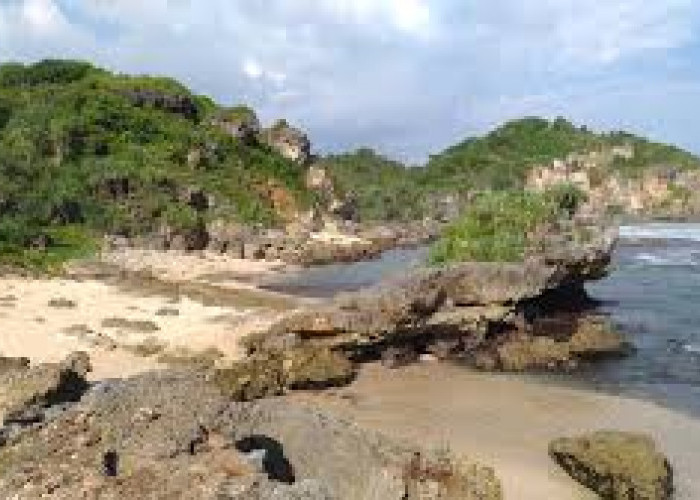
[(510, 316)]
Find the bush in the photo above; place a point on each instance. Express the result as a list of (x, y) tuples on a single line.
[(497, 227)]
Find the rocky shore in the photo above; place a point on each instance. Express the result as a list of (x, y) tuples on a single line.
[(506, 316), (262, 420), (332, 243)]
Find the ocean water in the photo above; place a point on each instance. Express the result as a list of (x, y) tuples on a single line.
[(652, 294)]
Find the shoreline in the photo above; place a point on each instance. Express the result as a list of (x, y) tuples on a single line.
[(507, 422)]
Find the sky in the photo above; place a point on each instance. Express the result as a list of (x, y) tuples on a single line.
[(406, 77)]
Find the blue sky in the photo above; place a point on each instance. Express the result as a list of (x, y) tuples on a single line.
[(407, 77)]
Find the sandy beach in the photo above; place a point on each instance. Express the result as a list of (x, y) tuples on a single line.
[(195, 303), (507, 423), (191, 304)]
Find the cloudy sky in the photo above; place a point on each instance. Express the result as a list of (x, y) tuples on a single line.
[(407, 77)]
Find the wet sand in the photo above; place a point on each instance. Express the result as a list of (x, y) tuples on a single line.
[(507, 423)]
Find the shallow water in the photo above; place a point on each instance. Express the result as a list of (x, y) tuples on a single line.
[(324, 281), (652, 294)]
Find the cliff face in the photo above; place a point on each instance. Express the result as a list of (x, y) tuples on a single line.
[(662, 190)]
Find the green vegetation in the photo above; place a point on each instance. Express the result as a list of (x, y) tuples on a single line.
[(500, 160), (503, 226), (85, 152), (383, 189)]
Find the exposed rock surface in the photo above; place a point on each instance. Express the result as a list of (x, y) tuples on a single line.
[(616, 465), (240, 122), (173, 435), (173, 103), (663, 191), (288, 141), (489, 313), (26, 392)]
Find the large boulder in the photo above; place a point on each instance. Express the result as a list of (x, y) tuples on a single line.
[(616, 465), (458, 305)]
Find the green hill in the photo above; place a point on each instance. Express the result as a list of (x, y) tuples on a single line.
[(499, 160), (502, 158), (85, 152)]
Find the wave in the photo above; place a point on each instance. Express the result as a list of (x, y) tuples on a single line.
[(681, 257), (661, 231), (691, 348)]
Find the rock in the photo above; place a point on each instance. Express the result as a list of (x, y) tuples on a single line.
[(240, 122), (486, 311), (442, 477), (616, 465), (27, 391), (179, 104), (174, 435), (273, 372), (289, 142)]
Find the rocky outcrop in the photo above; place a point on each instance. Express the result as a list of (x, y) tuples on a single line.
[(172, 103), (658, 191), (240, 122), (173, 435), (26, 392), (491, 314), (288, 141), (276, 371), (616, 465)]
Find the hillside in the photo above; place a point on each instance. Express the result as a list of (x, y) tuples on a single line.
[(505, 159), (85, 152)]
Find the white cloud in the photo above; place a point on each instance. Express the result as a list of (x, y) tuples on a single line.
[(405, 75), (42, 16)]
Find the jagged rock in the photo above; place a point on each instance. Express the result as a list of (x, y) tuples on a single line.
[(173, 435), (616, 465), (273, 372), (484, 310), (290, 142), (27, 391)]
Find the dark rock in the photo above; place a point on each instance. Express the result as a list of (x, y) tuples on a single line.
[(172, 103), (616, 465)]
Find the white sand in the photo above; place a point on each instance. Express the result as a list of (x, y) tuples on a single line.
[(508, 423), (192, 267), (31, 328)]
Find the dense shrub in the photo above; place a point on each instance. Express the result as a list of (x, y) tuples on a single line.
[(497, 227), (87, 149)]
